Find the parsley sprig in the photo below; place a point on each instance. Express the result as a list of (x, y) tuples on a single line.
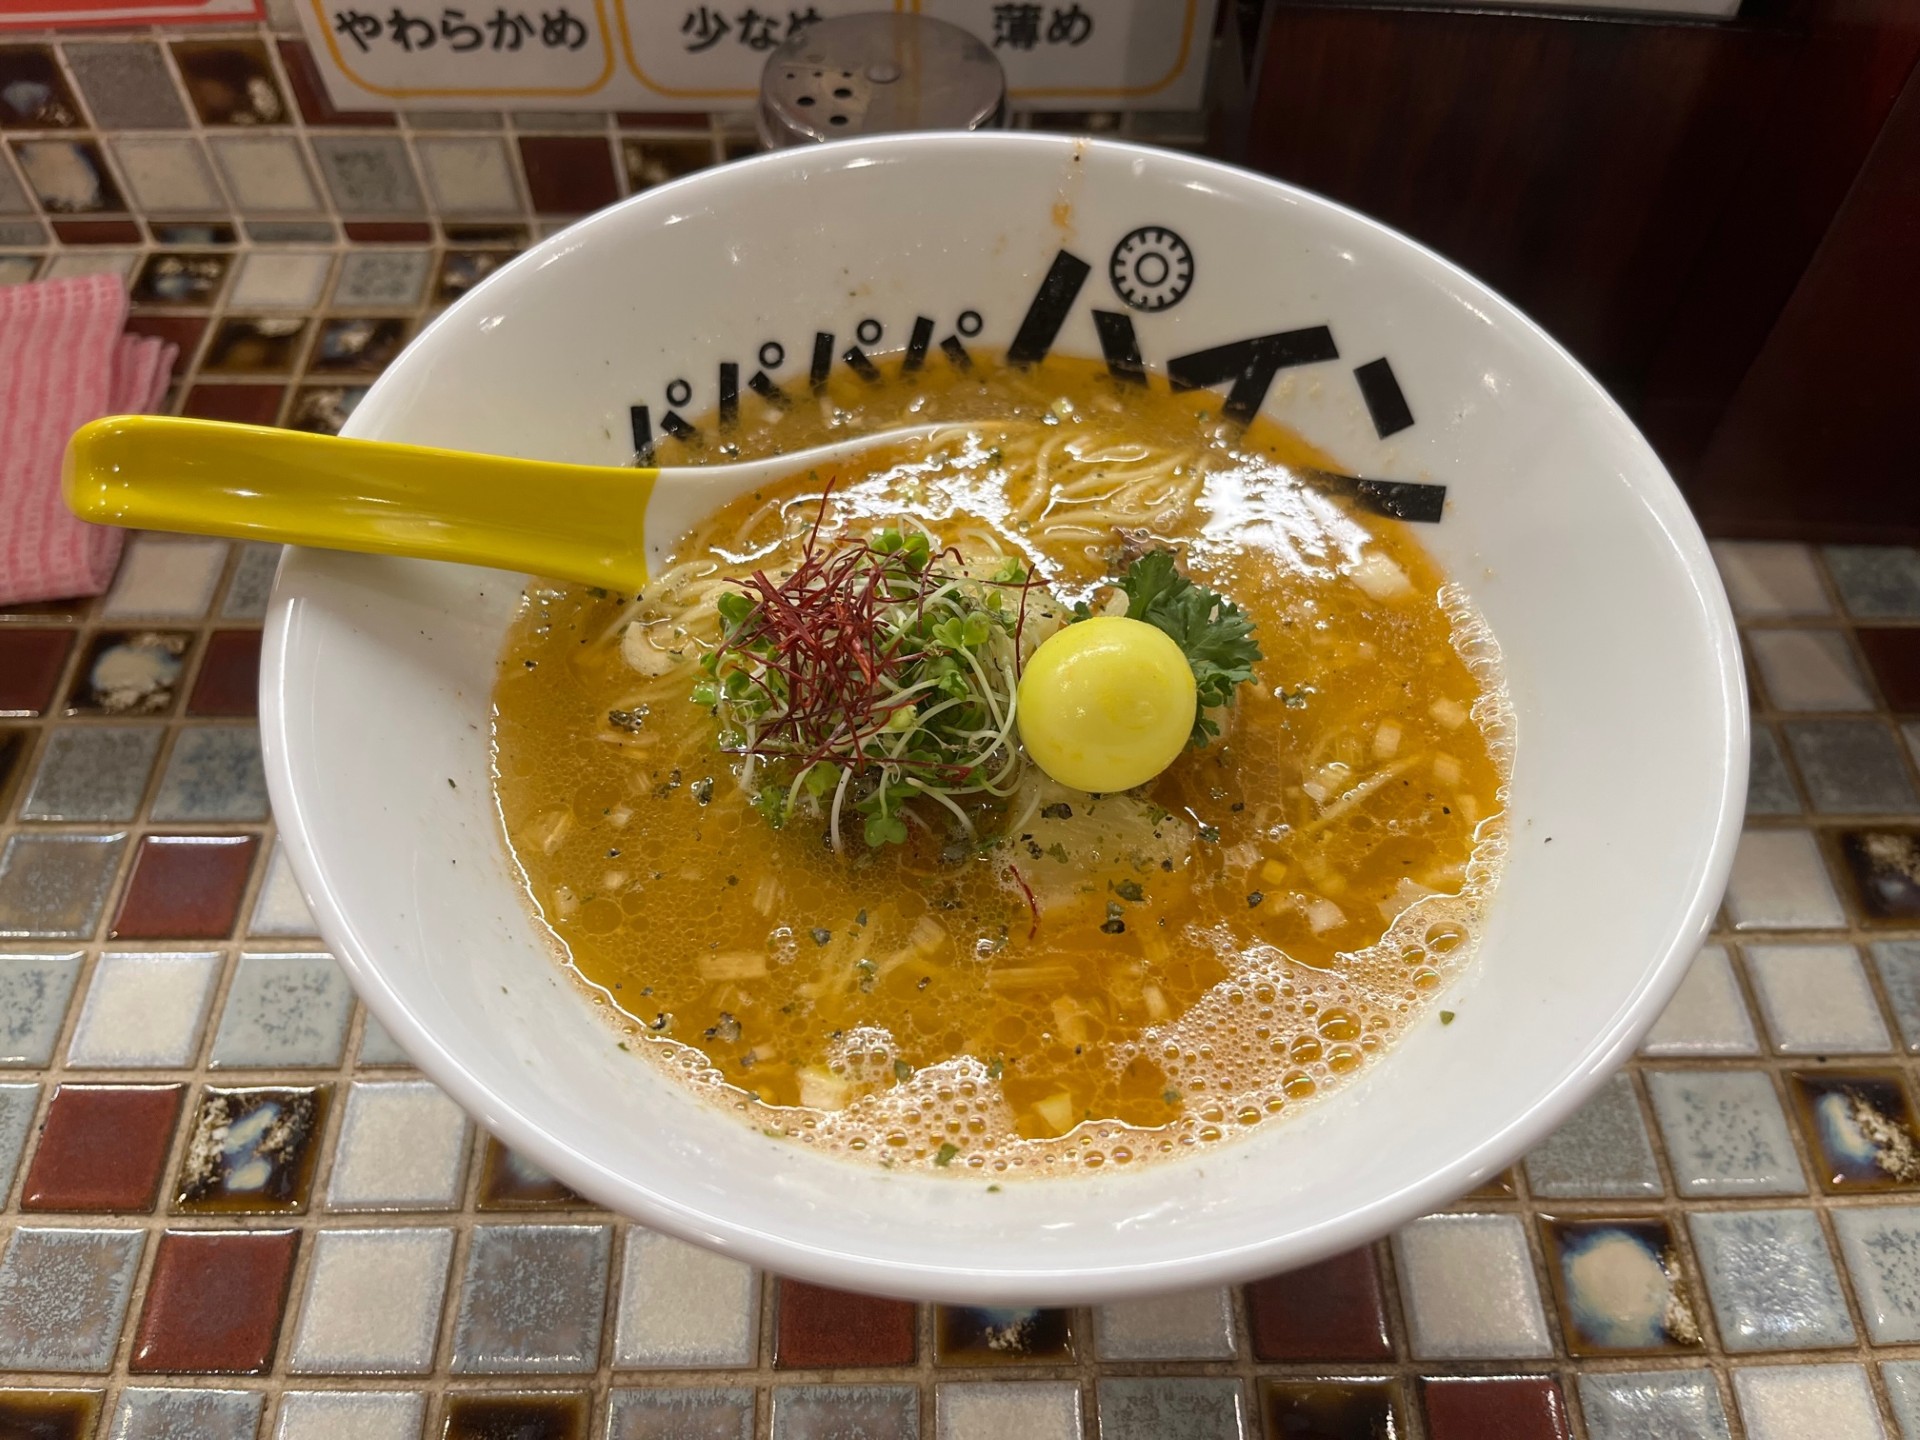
[(1215, 634)]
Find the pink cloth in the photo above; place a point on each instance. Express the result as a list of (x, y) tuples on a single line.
[(63, 362)]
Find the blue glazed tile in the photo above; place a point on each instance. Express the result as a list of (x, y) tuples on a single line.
[(1171, 1409), (1862, 1129), (252, 582), (368, 175), (162, 1414), (1771, 1280), (1800, 1402), (532, 1300), (92, 772), (34, 990), (1620, 1287), (1603, 1151), (63, 1297), (284, 1010), (54, 886), (680, 1415), (214, 774), (835, 1412), (1769, 788), (1725, 1133), (1898, 962), (382, 279), (1653, 1405), (1902, 1378), (1882, 1249), (17, 1104), (378, 1048), (1851, 767), (345, 1415), (1876, 581)]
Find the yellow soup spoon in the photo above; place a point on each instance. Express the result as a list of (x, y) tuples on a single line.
[(593, 524)]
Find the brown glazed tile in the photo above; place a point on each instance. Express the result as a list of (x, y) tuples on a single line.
[(229, 682), (303, 76), (97, 232), (30, 666), (252, 1150), (662, 119), (250, 345), (1600, 1270), (1521, 1407), (49, 1414), (516, 236), (102, 1148), (980, 1335), (185, 887), (1494, 1187), (568, 174), (33, 92), (389, 232), (461, 270), (243, 404), (71, 177), (549, 1415), (510, 1182), (182, 330), (214, 1302), (231, 82), (174, 278), (1894, 656), (358, 345), (193, 232), (1331, 1311), (817, 1328), (15, 741), (1882, 867), (1332, 1409), (1860, 1128), (129, 672)]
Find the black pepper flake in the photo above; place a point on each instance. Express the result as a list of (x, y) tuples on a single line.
[(1114, 925), (632, 721), (1059, 810), (1210, 834), (703, 790), (1254, 897), (450, 784), (531, 664), (733, 879), (1130, 890), (820, 935), (613, 852)]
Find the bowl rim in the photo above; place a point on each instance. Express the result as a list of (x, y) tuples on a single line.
[(955, 1279)]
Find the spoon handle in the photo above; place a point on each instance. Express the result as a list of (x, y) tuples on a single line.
[(585, 523)]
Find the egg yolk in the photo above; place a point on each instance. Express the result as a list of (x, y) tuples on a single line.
[(1106, 704)]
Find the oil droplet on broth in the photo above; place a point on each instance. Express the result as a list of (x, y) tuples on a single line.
[(894, 1009)]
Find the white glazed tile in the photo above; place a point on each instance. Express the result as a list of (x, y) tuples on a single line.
[(144, 1010), (372, 1303), (682, 1306), (1779, 883), (1707, 1015), (403, 1145), (267, 175), (468, 174), (344, 1415), (1187, 1325), (1816, 1000), (1807, 1402), (1001, 1409), (280, 910), (168, 176), (1809, 670), (280, 280), (1726, 1133), (1770, 578), (72, 264), (1469, 1289), (161, 578)]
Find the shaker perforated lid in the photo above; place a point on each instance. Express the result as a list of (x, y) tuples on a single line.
[(874, 73)]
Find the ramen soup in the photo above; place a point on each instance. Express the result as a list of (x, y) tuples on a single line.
[(784, 812)]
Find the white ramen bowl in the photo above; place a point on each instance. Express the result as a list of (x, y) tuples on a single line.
[(1620, 654)]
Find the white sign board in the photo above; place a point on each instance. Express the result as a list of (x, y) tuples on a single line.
[(673, 55)]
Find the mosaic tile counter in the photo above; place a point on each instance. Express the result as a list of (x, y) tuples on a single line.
[(233, 1211)]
